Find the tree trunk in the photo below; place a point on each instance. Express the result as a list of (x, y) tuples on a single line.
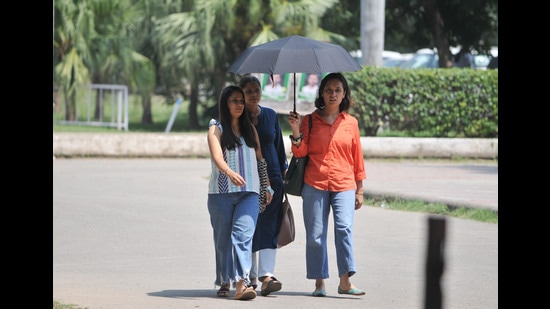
[(147, 116), (372, 31), (57, 99), (193, 103), (436, 25), (70, 105)]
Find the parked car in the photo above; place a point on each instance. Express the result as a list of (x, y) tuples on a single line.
[(481, 62), (394, 59), (423, 58), (389, 58), (428, 58)]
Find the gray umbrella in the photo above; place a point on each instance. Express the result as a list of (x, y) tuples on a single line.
[(294, 54)]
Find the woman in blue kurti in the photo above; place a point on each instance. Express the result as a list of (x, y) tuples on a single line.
[(269, 131)]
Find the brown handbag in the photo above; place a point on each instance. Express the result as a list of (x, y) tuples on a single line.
[(287, 228)]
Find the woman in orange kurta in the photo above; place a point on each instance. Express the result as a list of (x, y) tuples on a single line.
[(333, 180)]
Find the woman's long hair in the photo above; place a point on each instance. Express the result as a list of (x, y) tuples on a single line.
[(347, 101), (228, 139)]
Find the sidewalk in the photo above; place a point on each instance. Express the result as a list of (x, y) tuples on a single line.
[(468, 184), (135, 233)]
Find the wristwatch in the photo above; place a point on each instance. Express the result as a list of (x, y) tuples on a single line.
[(297, 139), (270, 190)]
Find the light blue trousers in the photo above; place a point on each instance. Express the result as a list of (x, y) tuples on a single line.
[(263, 263), (233, 218), (316, 209)]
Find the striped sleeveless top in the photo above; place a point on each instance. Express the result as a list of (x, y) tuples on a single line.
[(242, 160)]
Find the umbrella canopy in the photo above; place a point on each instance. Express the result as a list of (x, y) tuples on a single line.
[(294, 54)]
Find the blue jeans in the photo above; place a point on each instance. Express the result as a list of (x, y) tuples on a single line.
[(316, 209), (233, 218)]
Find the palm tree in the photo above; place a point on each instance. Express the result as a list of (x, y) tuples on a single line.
[(199, 45), (71, 27), (115, 57), (95, 41)]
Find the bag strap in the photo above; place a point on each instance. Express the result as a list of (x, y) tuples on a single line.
[(310, 123)]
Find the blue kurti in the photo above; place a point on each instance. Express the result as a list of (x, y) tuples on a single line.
[(273, 150)]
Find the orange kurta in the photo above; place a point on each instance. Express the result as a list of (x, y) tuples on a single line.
[(335, 155)]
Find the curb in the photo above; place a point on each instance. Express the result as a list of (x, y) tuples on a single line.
[(194, 145)]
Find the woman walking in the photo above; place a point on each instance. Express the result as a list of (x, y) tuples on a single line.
[(264, 245), (333, 181), (238, 168)]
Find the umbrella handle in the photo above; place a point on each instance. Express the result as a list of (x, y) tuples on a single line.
[(294, 110)]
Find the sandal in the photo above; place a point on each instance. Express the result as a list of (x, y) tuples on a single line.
[(352, 291), (272, 286), (224, 290), (319, 293), (247, 293)]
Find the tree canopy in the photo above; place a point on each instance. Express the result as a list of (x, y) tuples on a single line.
[(184, 47)]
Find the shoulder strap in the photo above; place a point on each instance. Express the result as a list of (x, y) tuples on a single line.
[(310, 123)]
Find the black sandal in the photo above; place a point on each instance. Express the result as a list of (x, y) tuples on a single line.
[(272, 286), (224, 290)]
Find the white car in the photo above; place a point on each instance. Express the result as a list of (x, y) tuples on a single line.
[(389, 58)]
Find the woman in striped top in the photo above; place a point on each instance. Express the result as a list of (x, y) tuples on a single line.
[(234, 192)]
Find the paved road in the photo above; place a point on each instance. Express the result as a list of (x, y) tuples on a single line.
[(135, 233)]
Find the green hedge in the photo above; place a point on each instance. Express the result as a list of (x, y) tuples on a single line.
[(426, 102)]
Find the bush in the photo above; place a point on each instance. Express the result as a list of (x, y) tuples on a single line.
[(426, 102)]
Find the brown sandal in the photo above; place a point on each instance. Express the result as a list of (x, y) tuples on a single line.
[(245, 294)]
